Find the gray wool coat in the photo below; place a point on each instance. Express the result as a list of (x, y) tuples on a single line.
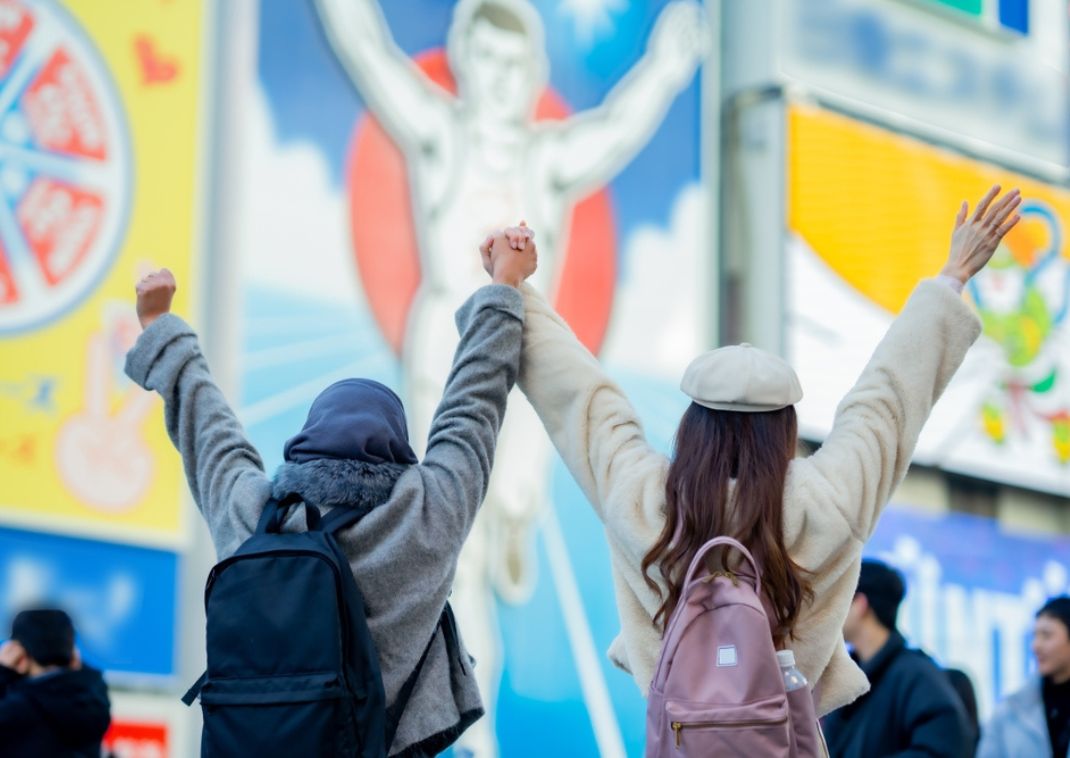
[(404, 553)]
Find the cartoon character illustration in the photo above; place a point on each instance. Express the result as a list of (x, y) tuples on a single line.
[(1024, 299), (101, 453), (478, 161)]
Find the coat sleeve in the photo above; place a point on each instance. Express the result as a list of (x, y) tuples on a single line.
[(464, 431), (15, 712), (993, 742), (215, 452), (589, 419), (877, 424)]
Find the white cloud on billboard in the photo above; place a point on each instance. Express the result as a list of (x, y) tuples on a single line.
[(656, 325), (299, 241)]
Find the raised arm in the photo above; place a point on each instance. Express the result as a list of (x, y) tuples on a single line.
[(461, 442), (215, 452), (590, 420), (411, 108), (877, 424), (587, 150)]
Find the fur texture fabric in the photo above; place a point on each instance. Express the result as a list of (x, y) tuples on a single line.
[(832, 499), (329, 483)]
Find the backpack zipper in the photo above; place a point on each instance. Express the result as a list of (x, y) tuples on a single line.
[(678, 726)]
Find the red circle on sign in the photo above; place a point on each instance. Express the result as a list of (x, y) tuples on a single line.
[(384, 234)]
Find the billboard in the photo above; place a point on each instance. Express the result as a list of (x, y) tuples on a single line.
[(870, 213), (147, 726), (989, 74), (402, 132), (121, 598), (99, 122)]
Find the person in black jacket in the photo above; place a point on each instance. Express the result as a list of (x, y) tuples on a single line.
[(50, 704), (911, 708)]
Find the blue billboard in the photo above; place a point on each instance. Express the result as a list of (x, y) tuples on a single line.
[(121, 598)]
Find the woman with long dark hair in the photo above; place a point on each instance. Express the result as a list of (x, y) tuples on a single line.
[(734, 472)]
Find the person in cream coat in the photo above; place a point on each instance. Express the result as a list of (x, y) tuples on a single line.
[(810, 531)]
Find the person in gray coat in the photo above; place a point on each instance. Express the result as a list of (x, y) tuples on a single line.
[(1035, 721), (354, 450)]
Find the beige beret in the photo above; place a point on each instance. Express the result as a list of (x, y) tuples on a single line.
[(741, 378)]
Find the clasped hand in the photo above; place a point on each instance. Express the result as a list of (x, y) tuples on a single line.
[(510, 256)]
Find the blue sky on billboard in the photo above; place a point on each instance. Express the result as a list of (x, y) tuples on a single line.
[(310, 96), (121, 597)]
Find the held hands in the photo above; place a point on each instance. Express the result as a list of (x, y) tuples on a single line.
[(976, 238), (510, 256)]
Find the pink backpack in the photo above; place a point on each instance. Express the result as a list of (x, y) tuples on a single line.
[(718, 689)]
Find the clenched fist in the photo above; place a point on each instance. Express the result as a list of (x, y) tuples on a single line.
[(154, 294)]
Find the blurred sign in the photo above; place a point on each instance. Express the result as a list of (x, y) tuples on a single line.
[(1005, 14), (972, 592), (99, 107), (137, 739), (858, 247), (121, 598), (1007, 90), (146, 726)]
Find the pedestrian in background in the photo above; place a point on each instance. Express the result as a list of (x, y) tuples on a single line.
[(911, 707), (1035, 720), (51, 704)]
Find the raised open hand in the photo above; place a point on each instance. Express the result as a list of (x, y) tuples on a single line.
[(976, 238), (510, 256), (154, 294), (681, 38)]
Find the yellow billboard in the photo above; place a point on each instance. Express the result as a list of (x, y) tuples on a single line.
[(100, 108), (870, 213)]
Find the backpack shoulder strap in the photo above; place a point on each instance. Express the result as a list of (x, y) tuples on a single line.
[(448, 625), (342, 517), (275, 512)]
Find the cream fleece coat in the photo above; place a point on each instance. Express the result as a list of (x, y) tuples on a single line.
[(832, 499)]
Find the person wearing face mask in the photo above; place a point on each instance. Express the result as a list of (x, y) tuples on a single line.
[(1035, 720)]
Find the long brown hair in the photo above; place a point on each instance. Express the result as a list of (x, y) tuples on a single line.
[(711, 448)]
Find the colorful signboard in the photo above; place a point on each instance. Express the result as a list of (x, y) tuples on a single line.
[(402, 135), (869, 215), (99, 123), (147, 726), (121, 598)]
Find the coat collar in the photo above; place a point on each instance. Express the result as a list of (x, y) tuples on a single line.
[(878, 664), (327, 482)]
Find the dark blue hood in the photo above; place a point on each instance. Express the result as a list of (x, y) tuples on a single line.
[(354, 419)]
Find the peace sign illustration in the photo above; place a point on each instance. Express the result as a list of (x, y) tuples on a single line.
[(65, 165), (101, 453)]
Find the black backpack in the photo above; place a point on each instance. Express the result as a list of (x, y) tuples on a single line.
[(292, 667)]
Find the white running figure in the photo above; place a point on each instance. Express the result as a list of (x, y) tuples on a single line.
[(476, 162)]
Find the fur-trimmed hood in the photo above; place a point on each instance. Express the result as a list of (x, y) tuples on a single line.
[(328, 482)]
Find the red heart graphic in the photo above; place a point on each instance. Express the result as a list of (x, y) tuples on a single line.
[(155, 68)]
